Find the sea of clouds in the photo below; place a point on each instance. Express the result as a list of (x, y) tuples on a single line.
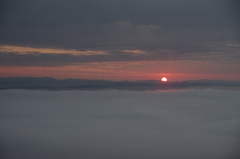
[(114, 124)]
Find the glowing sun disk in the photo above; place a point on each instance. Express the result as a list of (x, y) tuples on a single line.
[(164, 79)]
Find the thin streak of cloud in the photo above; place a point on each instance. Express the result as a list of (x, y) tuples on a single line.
[(64, 57), (29, 50), (135, 51)]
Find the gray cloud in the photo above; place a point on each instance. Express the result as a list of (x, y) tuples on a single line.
[(119, 124), (119, 24), (169, 13), (56, 59)]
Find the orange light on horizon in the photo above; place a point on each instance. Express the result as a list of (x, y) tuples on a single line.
[(108, 71)]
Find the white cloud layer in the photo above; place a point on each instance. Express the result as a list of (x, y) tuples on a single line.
[(119, 124)]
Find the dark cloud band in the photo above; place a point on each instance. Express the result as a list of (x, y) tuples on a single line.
[(47, 83)]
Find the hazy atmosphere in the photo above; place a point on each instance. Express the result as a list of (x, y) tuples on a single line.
[(120, 124), (120, 39), (119, 79)]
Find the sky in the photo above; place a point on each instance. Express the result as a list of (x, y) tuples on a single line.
[(119, 124), (120, 39)]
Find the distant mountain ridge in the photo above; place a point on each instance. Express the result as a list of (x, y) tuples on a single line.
[(48, 83)]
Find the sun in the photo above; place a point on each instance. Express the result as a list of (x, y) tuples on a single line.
[(164, 79)]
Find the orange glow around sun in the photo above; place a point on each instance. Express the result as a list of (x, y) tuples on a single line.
[(164, 79)]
